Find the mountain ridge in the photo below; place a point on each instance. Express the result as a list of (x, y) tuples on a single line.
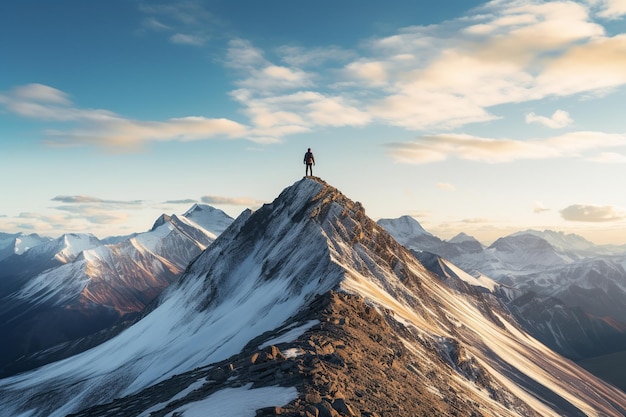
[(255, 281)]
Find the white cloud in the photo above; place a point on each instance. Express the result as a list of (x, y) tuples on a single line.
[(314, 57), (185, 39), (448, 75), (558, 120), (107, 129), (441, 147), (232, 201), (40, 93), (436, 77), (609, 9), (373, 72), (592, 213)]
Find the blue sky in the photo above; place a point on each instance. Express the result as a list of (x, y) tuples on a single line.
[(476, 117)]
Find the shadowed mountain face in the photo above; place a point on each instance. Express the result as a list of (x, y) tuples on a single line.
[(74, 286), (308, 306)]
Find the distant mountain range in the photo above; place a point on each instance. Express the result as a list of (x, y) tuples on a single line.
[(59, 290), (566, 291), (307, 307)]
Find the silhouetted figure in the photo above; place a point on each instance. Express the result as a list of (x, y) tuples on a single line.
[(309, 161)]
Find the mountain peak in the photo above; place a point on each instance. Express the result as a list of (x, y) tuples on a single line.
[(163, 218), (259, 284), (209, 218), (462, 237)]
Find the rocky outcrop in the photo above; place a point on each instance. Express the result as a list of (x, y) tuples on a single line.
[(356, 361)]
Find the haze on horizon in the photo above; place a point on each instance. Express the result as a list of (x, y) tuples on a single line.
[(483, 117)]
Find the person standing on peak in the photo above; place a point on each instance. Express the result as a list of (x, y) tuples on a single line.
[(309, 161)]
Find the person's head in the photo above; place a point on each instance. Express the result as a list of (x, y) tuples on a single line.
[(309, 150)]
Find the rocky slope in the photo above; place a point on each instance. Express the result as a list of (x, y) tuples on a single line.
[(308, 307)]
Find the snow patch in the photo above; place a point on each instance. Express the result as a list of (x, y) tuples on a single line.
[(291, 335), (237, 402), (196, 385)]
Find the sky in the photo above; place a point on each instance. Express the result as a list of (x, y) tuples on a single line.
[(479, 117)]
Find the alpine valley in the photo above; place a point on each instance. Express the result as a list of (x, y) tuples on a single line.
[(307, 307)]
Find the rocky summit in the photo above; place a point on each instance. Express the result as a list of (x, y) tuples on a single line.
[(307, 307)]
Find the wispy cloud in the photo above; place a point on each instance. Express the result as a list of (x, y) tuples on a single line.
[(592, 213), (558, 120), (184, 39), (511, 52), (233, 201), (83, 199), (609, 158), (96, 210), (185, 201), (96, 214), (435, 148), (538, 207), (188, 22), (107, 129), (446, 186), (609, 9)]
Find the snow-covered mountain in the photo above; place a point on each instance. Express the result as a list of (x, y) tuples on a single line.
[(18, 243), (565, 290), (76, 285), (308, 306)]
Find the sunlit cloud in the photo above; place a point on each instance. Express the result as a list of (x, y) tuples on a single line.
[(446, 186), (609, 158), (592, 213), (441, 147), (95, 210), (476, 220), (538, 207), (373, 72), (609, 9), (511, 52), (107, 129), (233, 201), (92, 220), (558, 120), (96, 214), (422, 78)]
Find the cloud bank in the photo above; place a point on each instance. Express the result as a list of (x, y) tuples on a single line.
[(233, 201), (591, 213), (441, 147), (422, 78)]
